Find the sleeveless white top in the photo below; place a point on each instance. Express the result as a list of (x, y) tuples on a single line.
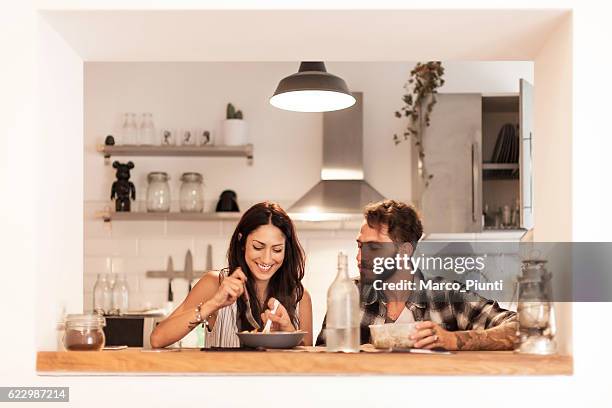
[(224, 331)]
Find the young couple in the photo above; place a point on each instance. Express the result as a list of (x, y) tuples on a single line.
[(266, 260)]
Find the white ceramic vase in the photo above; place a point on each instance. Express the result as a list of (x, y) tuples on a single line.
[(235, 132)]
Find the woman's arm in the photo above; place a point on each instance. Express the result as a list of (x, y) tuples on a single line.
[(305, 316), (213, 297), (176, 325)]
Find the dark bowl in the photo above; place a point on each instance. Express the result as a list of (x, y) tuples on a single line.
[(273, 340)]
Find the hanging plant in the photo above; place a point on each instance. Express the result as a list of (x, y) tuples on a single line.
[(419, 100)]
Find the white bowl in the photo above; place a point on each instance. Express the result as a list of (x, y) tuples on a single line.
[(392, 335)]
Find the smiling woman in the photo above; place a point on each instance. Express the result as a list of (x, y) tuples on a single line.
[(265, 263)]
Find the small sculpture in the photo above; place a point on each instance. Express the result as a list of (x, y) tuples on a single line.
[(227, 202), (168, 138), (187, 138), (122, 187), (204, 138), (109, 141)]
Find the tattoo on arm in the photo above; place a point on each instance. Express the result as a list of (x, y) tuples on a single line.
[(502, 337)]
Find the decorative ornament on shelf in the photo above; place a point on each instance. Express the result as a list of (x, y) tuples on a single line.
[(234, 127), (122, 188), (228, 202), (419, 100)]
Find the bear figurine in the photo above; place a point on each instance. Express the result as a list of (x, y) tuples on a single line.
[(122, 187)]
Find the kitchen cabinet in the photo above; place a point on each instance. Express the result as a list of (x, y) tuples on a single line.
[(468, 175)]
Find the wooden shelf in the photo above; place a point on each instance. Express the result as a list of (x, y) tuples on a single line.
[(500, 166), (500, 171), (178, 151), (108, 216), (300, 361)]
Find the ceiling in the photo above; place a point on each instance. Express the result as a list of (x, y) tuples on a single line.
[(282, 35)]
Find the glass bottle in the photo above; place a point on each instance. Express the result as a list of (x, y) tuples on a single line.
[(516, 214), (158, 192), (342, 326), (191, 193), (506, 217), (121, 293), (112, 281), (147, 130), (129, 129), (101, 295)]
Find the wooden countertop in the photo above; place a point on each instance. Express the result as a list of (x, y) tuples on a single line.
[(308, 361)]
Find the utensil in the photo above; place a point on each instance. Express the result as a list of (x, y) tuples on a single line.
[(274, 340), (170, 298), (209, 261), (248, 313), (269, 322), (188, 271)]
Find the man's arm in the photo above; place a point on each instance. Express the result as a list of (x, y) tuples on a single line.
[(430, 335), (497, 338), (486, 326)]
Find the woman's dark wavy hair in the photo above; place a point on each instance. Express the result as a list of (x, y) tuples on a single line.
[(286, 284)]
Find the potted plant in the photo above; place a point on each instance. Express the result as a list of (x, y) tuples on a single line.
[(419, 100), (234, 127)]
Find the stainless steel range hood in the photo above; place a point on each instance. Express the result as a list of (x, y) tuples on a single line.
[(342, 192)]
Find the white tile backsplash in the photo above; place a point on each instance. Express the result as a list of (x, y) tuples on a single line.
[(194, 229), (219, 252), (94, 265), (139, 265), (169, 246), (110, 247), (138, 229), (228, 227), (151, 285)]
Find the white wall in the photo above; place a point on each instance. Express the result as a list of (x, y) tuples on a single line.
[(287, 156), (60, 84), (552, 153)]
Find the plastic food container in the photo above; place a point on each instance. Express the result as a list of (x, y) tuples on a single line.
[(84, 332), (392, 335)]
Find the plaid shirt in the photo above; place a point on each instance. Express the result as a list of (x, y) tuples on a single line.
[(452, 310)]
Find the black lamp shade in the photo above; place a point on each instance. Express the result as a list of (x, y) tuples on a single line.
[(312, 89)]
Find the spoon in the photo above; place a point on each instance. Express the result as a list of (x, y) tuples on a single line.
[(269, 322)]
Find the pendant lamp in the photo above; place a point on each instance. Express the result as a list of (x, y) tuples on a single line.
[(312, 89)]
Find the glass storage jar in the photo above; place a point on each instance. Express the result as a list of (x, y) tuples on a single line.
[(158, 192), (84, 332), (192, 192)]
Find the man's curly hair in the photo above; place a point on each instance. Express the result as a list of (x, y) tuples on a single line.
[(402, 220)]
